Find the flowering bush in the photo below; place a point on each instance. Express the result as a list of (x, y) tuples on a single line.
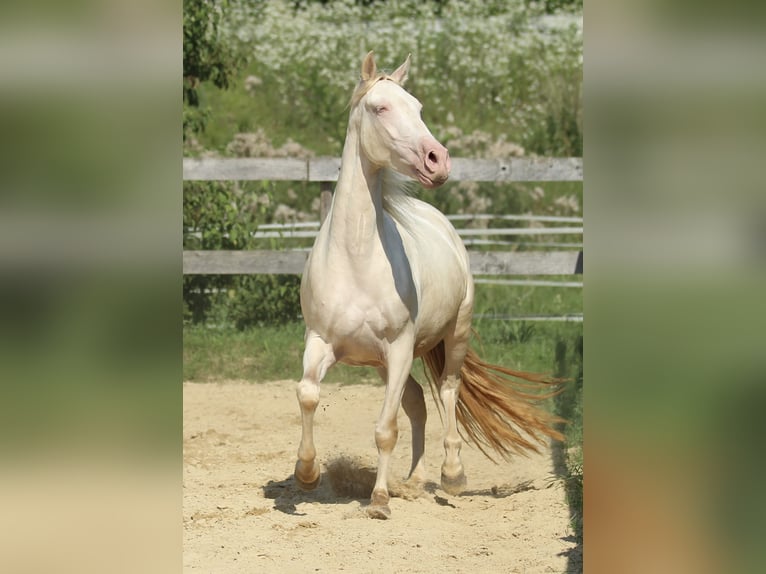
[(499, 67)]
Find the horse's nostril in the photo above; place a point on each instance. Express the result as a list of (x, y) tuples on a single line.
[(432, 157)]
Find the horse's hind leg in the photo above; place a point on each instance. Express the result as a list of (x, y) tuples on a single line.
[(317, 358), (415, 408), (453, 478), (414, 405)]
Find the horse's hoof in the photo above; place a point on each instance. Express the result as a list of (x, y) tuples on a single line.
[(453, 484), (379, 505), (380, 512), (308, 485), (307, 481)]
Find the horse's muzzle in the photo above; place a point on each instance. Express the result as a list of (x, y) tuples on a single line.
[(436, 161)]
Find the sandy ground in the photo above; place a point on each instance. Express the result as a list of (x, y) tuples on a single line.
[(242, 511)]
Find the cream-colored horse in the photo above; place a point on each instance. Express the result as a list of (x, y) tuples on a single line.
[(388, 281)]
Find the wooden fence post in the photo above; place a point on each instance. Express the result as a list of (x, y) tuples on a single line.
[(325, 199)]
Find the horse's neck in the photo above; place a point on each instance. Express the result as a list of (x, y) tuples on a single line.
[(357, 207)]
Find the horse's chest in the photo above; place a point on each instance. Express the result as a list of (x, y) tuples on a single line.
[(356, 307), (357, 312)]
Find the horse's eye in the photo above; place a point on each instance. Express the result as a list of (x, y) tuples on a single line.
[(381, 109)]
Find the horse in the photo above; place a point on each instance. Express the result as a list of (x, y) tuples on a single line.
[(388, 281)]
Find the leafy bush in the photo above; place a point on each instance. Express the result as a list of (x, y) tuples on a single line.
[(222, 215), (265, 300)]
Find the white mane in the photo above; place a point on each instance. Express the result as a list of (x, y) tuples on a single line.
[(398, 192)]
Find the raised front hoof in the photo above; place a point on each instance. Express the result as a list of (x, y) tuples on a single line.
[(453, 484), (378, 507), (307, 479)]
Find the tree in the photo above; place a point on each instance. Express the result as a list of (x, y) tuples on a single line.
[(209, 55)]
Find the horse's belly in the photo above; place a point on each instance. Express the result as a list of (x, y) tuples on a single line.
[(434, 321)]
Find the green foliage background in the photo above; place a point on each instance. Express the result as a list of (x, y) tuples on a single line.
[(272, 79)]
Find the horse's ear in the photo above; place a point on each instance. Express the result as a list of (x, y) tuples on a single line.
[(369, 68), (400, 74)]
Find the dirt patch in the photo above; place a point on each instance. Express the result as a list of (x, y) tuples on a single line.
[(244, 513)]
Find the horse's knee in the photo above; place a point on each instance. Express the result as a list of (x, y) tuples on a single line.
[(308, 394), (385, 436)]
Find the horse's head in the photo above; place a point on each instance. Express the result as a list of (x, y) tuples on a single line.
[(392, 133)]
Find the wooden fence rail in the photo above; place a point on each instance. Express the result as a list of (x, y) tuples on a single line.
[(292, 262), (325, 169)]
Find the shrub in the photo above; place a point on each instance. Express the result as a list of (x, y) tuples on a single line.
[(222, 215)]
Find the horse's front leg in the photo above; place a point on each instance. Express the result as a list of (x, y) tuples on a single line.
[(386, 430), (317, 358)]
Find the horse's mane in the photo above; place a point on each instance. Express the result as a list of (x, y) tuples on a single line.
[(416, 218), (398, 193)]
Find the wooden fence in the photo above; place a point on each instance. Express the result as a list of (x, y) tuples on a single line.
[(326, 170)]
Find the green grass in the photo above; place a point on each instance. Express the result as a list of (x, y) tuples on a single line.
[(275, 352), (259, 354)]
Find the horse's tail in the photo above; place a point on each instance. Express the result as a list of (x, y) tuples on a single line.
[(493, 408)]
